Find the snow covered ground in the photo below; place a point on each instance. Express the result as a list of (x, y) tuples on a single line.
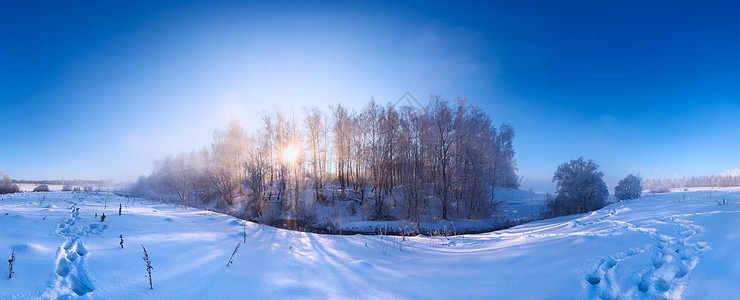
[(516, 204), (28, 187), (514, 207), (678, 245)]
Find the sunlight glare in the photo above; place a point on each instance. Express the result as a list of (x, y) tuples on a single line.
[(290, 154)]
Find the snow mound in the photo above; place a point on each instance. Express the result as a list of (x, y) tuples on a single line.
[(360, 265), (30, 249)]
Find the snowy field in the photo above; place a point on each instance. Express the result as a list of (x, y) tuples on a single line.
[(514, 205), (28, 187), (678, 245)]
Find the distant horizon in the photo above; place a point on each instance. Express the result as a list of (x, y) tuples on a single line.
[(727, 172)]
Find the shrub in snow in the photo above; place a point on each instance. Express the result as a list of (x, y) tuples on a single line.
[(10, 262), (629, 188), (231, 259), (148, 266), (7, 185), (41, 188), (121, 236), (102, 217), (580, 188)]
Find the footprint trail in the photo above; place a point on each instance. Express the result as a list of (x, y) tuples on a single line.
[(671, 258), (70, 277)]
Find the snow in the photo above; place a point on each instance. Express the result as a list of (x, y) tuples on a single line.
[(514, 207), (516, 204), (659, 246), (28, 187), (703, 189)]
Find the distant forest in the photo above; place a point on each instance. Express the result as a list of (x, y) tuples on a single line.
[(441, 161), (727, 179), (74, 182)]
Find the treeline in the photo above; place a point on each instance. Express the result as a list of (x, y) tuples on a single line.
[(381, 163), (75, 182), (665, 184)]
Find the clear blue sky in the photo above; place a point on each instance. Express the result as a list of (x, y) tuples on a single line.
[(99, 89)]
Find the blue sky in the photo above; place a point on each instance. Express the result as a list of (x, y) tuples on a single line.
[(98, 90)]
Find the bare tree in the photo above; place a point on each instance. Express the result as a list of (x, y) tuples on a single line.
[(226, 161), (342, 131), (395, 162), (316, 137), (443, 130)]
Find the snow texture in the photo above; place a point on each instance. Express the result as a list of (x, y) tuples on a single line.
[(677, 245)]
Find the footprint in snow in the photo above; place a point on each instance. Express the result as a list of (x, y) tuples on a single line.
[(71, 277), (672, 260)]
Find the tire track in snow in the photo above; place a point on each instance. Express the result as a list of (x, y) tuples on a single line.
[(70, 278)]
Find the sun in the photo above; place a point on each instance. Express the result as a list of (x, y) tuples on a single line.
[(290, 154)]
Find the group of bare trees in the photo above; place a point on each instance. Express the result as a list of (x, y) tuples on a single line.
[(382, 162)]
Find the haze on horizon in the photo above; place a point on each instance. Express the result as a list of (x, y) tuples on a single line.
[(100, 90)]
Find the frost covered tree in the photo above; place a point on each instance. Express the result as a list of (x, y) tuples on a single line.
[(580, 188), (342, 130), (412, 165), (257, 167), (383, 162), (6, 184), (440, 115), (316, 133), (184, 176), (725, 179), (629, 188), (504, 165), (174, 175), (226, 161)]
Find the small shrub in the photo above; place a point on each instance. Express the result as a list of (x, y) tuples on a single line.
[(231, 259), (148, 266), (10, 263)]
